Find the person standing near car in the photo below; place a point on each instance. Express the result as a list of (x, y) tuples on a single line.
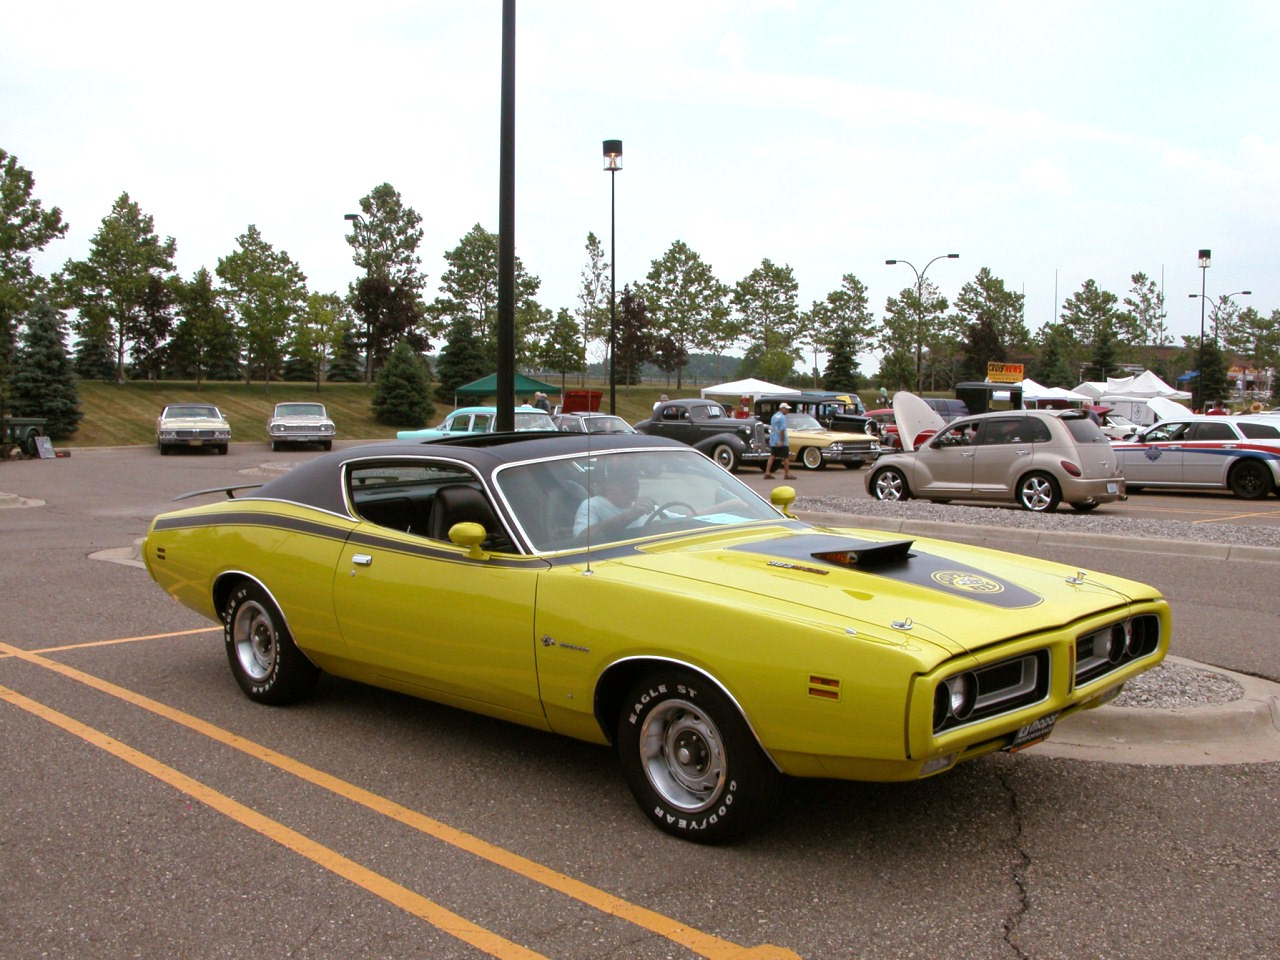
[(779, 445)]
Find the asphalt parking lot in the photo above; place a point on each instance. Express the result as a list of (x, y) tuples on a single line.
[(149, 809)]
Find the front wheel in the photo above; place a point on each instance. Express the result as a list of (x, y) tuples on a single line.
[(890, 484), (811, 458), (1038, 493), (726, 456), (691, 762), (1250, 480), (264, 659)]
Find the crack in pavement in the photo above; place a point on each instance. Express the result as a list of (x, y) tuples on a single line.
[(1012, 922)]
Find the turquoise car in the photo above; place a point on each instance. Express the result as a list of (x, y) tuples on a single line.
[(480, 420)]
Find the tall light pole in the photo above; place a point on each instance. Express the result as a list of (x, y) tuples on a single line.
[(1217, 304), (920, 304), (613, 163), (1204, 267), (359, 226)]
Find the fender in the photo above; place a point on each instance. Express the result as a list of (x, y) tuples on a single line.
[(710, 443)]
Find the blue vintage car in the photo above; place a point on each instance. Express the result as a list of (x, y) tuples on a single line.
[(480, 420)]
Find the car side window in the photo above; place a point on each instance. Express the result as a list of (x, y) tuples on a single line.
[(1164, 432), (459, 424), (480, 423), (1003, 430), (1259, 431), (1212, 430), (1037, 431)]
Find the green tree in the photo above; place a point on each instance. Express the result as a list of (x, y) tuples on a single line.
[(1142, 325), (1103, 363), (42, 380), (461, 359), (1086, 314), (149, 331), (839, 324), (687, 304), (317, 336), (94, 357), (1052, 367), (769, 315), (388, 299), (401, 394), (25, 228), (266, 292), (563, 350), (469, 286), (983, 345), (204, 343), (112, 284), (347, 365), (841, 371), (914, 320), (636, 343), (985, 299), (593, 299)]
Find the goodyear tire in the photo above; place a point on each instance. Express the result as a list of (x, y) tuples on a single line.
[(1038, 492), (1250, 480), (890, 485), (263, 657), (691, 762), (721, 453)]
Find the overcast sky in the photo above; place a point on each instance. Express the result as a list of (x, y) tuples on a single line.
[(1052, 143)]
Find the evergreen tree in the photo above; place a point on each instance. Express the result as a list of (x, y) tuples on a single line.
[(348, 365), (982, 346), (460, 361), (94, 359), (841, 372), (401, 392), (42, 380), (1051, 367), (1103, 363)]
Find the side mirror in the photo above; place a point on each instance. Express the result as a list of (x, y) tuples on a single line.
[(469, 535), (782, 498)]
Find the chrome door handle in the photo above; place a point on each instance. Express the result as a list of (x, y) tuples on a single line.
[(362, 559)]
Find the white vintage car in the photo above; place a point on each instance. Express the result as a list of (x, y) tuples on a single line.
[(192, 425), (300, 423)]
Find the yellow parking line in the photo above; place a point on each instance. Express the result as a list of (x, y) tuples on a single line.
[(1237, 516), (705, 944), (375, 883), (111, 643)]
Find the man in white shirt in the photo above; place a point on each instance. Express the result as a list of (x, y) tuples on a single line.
[(616, 508)]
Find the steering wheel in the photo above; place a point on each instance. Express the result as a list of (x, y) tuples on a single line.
[(658, 511)]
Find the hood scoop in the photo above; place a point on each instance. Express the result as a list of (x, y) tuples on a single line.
[(866, 555)]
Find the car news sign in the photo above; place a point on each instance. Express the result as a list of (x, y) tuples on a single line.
[(1004, 373)]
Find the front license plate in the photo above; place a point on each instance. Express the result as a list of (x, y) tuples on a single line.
[(1033, 732), (1113, 488)]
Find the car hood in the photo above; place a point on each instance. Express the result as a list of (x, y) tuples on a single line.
[(957, 597), (300, 418)]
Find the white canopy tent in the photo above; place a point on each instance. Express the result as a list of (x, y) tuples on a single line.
[(1032, 392), (750, 387), (1139, 387)]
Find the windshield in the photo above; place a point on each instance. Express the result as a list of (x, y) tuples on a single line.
[(802, 421), (299, 409), (189, 410), (607, 425), (534, 421), (598, 499)]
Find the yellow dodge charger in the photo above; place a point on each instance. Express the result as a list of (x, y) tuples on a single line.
[(627, 590)]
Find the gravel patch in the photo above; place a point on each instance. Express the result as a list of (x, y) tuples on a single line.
[(1178, 685)]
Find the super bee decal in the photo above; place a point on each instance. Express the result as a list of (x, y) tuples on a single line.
[(916, 567)]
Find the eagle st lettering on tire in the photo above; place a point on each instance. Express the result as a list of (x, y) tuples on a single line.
[(266, 663)]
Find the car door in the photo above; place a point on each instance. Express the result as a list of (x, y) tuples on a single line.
[(1211, 447), (944, 465), (1002, 451), (1156, 456), (421, 613)]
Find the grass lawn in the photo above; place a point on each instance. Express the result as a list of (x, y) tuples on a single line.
[(124, 414)]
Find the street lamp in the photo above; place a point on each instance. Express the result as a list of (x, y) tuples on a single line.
[(920, 302), (612, 163), (358, 225), (1218, 302)]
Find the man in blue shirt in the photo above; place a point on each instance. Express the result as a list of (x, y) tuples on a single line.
[(779, 448)]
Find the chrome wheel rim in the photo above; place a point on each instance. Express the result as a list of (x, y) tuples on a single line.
[(254, 636), (682, 754), (888, 486), (812, 458), (1037, 494)]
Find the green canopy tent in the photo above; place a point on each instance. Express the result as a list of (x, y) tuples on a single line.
[(488, 387)]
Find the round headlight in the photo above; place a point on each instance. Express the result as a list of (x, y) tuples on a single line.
[(1116, 643)]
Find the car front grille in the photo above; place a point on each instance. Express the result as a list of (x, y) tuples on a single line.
[(1112, 647), (194, 434)]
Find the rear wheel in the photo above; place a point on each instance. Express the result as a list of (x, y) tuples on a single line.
[(1038, 493), (723, 454), (811, 458), (1250, 480), (691, 762), (890, 484), (264, 659)]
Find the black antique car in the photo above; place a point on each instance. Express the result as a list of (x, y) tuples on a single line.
[(705, 425), (841, 412)]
